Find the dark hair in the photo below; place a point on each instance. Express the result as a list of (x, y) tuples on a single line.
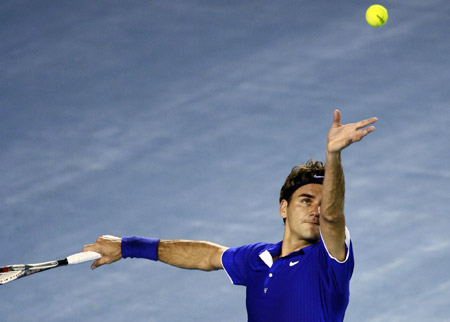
[(311, 172)]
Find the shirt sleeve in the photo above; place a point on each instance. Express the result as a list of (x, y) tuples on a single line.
[(347, 246), (339, 273), (235, 262)]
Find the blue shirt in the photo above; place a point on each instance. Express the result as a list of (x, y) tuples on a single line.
[(308, 285)]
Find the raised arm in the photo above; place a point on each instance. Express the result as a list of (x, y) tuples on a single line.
[(187, 254), (332, 219)]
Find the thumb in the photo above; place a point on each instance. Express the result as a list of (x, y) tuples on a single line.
[(99, 262), (337, 117)]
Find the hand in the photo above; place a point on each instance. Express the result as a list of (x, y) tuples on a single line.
[(341, 136), (110, 247)]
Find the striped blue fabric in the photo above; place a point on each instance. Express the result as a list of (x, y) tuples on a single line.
[(307, 285)]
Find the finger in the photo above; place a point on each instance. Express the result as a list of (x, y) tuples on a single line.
[(95, 264), (99, 262), (366, 122), (109, 237), (370, 129), (337, 116), (89, 248), (363, 133)]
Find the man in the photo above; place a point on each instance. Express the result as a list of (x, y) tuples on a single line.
[(306, 276)]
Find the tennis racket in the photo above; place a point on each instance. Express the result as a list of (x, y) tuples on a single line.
[(14, 272)]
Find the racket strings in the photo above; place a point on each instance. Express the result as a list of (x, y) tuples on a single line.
[(6, 277)]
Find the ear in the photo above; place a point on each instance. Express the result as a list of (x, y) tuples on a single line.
[(283, 208)]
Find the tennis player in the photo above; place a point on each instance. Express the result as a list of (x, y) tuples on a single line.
[(304, 277)]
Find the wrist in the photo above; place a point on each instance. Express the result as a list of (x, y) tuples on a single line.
[(140, 247), (331, 156)]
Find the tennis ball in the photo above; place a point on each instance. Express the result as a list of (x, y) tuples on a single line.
[(376, 15)]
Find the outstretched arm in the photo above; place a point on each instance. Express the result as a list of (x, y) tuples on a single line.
[(191, 254), (332, 219), (187, 254)]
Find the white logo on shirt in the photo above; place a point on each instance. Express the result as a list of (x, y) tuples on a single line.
[(293, 263)]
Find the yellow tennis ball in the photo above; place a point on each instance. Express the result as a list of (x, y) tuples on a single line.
[(376, 15)]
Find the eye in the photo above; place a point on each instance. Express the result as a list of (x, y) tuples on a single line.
[(306, 201)]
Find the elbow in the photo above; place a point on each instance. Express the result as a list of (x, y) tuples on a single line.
[(213, 262), (208, 266), (205, 264), (333, 217), (333, 212)]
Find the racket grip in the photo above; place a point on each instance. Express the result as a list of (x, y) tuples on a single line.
[(82, 257)]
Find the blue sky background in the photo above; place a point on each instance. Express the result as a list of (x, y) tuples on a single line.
[(181, 119)]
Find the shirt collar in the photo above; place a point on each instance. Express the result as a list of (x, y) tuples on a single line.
[(270, 252), (273, 250)]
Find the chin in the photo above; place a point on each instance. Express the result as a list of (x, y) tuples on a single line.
[(314, 234), (313, 240)]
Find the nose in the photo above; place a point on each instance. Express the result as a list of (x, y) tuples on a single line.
[(315, 210)]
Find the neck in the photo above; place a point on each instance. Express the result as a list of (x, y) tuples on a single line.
[(293, 243)]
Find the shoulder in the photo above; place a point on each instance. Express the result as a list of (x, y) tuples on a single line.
[(348, 248), (249, 250), (239, 261)]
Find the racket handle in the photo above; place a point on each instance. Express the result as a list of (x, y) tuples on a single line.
[(82, 257)]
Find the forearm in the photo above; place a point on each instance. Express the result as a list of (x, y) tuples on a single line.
[(190, 254), (333, 193), (180, 253), (332, 219)]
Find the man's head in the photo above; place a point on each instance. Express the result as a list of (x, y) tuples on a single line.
[(311, 172), (300, 199)]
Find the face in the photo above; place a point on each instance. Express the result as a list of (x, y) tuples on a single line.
[(302, 213)]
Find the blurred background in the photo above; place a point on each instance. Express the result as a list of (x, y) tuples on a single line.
[(181, 119)]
